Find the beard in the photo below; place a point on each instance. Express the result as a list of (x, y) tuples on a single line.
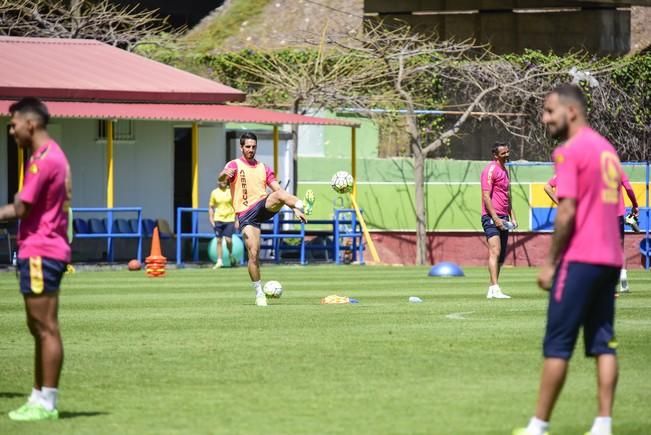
[(561, 132)]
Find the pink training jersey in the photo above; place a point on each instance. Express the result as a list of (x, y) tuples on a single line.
[(588, 170), (495, 180), (47, 188), (249, 183), (626, 184)]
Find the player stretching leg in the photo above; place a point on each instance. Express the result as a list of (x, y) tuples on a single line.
[(584, 261), (249, 180), (43, 250)]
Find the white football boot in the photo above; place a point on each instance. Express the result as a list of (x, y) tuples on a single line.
[(261, 301), (495, 292)]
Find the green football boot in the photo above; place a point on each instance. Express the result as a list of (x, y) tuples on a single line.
[(523, 431), (308, 202), (33, 412)]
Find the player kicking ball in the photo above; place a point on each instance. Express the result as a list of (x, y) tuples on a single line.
[(253, 206), (43, 250)]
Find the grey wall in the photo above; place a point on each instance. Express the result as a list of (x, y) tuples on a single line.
[(598, 28)]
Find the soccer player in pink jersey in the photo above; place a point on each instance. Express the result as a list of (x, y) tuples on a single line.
[(550, 189), (496, 211), (582, 267), (43, 249), (253, 205)]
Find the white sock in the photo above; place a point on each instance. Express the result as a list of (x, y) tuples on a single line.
[(537, 427), (299, 205), (623, 275), (494, 288), (257, 286), (602, 426), (49, 398), (35, 396)]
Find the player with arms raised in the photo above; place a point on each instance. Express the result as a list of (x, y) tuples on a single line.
[(249, 180), (582, 268)]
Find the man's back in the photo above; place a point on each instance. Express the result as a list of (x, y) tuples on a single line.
[(588, 170)]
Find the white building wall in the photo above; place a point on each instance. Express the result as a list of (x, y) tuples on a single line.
[(212, 159), (87, 160), (144, 170), (311, 141)]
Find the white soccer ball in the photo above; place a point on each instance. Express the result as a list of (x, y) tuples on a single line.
[(273, 289), (342, 182)]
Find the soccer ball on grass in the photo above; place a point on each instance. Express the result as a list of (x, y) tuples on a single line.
[(342, 182), (273, 289)]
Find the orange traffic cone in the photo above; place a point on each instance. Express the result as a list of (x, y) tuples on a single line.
[(155, 263)]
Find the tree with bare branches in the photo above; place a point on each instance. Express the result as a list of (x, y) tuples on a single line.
[(416, 79), (303, 81), (118, 25), (419, 72)]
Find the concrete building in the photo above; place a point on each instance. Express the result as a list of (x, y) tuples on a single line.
[(170, 128), (601, 27)]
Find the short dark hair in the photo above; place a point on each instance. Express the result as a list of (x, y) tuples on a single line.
[(248, 135), (497, 145), (569, 91), (34, 106)]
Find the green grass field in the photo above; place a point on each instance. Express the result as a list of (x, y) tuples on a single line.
[(191, 354)]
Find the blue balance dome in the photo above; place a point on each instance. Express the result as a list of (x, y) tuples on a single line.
[(445, 268)]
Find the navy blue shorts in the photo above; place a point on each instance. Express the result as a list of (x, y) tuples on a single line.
[(40, 275), (224, 229), (256, 215), (583, 295), (491, 231)]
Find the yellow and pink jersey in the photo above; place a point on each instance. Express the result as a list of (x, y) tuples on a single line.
[(48, 189), (588, 170), (249, 183)]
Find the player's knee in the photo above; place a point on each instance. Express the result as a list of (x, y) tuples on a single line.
[(494, 251), (32, 325)]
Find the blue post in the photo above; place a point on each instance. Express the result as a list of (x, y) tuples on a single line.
[(646, 256), (195, 241), (109, 227), (178, 236), (140, 235), (336, 237)]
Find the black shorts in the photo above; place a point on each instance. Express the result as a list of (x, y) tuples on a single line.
[(491, 230), (224, 229), (40, 275), (256, 215), (583, 295)]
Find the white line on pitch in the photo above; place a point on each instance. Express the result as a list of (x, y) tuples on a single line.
[(458, 316)]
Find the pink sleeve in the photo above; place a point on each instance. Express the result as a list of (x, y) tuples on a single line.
[(566, 173), (486, 179), (552, 181), (626, 184), (35, 180), (231, 165), (271, 177)]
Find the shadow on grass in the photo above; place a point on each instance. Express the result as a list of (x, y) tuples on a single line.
[(8, 395), (70, 414)]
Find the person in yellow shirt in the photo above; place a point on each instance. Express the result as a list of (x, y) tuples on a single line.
[(222, 219)]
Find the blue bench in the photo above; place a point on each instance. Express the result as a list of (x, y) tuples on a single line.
[(109, 228)]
